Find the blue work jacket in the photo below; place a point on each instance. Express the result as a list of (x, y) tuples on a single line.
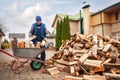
[(38, 31)]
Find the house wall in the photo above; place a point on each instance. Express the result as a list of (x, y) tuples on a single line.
[(107, 18), (107, 29), (55, 23), (74, 27), (113, 17), (111, 26), (115, 30), (95, 20), (115, 25), (96, 28), (99, 30)]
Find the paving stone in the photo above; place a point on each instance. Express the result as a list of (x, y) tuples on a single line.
[(3, 74), (41, 79), (27, 74), (28, 78)]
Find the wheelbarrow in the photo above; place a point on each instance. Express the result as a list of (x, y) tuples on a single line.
[(28, 55)]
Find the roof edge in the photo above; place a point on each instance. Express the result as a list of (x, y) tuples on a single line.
[(106, 8)]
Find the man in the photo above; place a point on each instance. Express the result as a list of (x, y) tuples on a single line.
[(39, 29)]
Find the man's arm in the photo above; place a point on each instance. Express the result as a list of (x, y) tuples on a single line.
[(31, 31), (46, 31), (45, 37)]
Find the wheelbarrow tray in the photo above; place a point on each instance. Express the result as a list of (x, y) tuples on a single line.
[(27, 52)]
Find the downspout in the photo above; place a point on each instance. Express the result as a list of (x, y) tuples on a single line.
[(102, 24), (81, 28)]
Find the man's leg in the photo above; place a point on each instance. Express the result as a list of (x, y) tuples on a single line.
[(43, 56)]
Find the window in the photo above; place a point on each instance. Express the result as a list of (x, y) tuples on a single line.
[(118, 37), (116, 16)]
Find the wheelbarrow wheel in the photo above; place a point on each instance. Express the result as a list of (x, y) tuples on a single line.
[(35, 65)]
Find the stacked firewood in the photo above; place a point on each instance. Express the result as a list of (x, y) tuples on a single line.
[(91, 54)]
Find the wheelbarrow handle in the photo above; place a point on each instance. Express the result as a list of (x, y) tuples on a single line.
[(7, 53)]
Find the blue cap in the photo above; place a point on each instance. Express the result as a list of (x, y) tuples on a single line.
[(38, 18)]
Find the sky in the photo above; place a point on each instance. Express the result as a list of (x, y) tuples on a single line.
[(19, 15)]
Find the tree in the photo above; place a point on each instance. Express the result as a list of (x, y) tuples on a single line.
[(65, 29), (58, 35), (62, 31), (68, 28), (3, 28)]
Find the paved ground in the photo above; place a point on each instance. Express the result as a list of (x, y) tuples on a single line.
[(28, 74)]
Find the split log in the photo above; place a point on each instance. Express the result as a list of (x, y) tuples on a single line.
[(107, 47), (66, 63), (87, 46), (107, 61), (82, 51), (111, 65), (72, 78), (95, 77), (77, 37), (117, 76), (89, 36), (94, 50), (95, 39), (57, 55), (72, 70), (102, 54), (93, 63), (100, 44), (78, 55), (27, 44), (31, 38), (106, 38), (53, 70), (78, 46), (97, 69), (83, 58), (115, 71)]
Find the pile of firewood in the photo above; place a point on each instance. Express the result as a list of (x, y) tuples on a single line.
[(86, 55)]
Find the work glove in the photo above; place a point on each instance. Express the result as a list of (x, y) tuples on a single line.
[(44, 41)]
